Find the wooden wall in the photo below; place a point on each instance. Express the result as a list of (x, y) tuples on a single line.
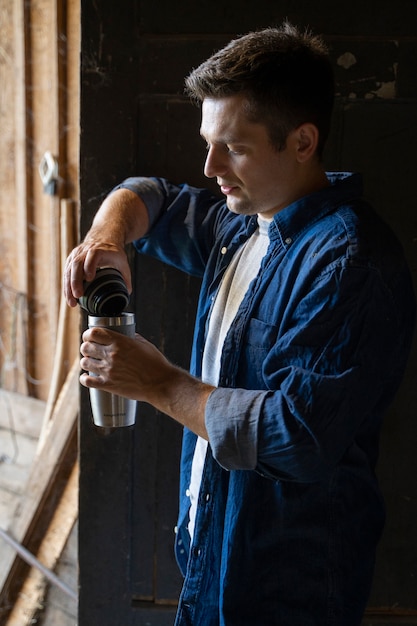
[(39, 112), (39, 334)]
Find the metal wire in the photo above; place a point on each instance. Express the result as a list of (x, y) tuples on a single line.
[(34, 562)]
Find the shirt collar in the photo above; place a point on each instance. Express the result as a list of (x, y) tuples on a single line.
[(289, 222)]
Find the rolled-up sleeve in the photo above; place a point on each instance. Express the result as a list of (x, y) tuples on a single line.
[(232, 420), (149, 191)]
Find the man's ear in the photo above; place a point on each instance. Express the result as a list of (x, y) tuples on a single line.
[(307, 139)]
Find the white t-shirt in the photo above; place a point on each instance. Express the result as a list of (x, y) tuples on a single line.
[(243, 268)]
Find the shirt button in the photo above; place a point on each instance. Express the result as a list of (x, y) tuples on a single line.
[(207, 497), (188, 493), (223, 250), (288, 241)]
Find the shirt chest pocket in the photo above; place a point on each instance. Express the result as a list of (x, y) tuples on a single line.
[(258, 340)]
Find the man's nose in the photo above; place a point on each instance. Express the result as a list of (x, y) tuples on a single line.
[(216, 164)]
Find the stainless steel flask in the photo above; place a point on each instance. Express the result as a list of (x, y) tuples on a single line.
[(110, 410)]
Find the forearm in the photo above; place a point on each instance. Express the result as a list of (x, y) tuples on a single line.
[(165, 386), (137, 369), (121, 219), (183, 398)]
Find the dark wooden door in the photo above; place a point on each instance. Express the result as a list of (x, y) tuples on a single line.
[(135, 120)]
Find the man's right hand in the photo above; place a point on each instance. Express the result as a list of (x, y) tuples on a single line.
[(122, 218), (83, 262)]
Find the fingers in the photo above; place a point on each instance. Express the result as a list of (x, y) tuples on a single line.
[(82, 264), (95, 358), (72, 280), (94, 340), (123, 365), (89, 381)]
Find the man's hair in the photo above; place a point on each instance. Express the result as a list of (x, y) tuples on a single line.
[(285, 75)]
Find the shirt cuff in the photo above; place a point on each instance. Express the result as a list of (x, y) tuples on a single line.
[(232, 419), (149, 191)]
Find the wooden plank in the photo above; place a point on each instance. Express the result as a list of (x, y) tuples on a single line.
[(43, 246), (22, 177), (59, 609), (30, 598), (39, 111), (388, 616), (66, 317), (48, 477), (20, 412), (15, 469), (20, 424), (14, 182)]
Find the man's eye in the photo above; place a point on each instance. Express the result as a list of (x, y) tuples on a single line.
[(234, 150), (225, 148)]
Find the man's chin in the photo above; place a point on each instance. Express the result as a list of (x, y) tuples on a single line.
[(239, 207)]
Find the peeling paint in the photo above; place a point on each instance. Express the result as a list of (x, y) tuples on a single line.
[(346, 60), (386, 90)]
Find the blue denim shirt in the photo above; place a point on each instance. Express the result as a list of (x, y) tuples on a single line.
[(290, 511)]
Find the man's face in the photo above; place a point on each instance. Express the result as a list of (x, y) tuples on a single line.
[(252, 174)]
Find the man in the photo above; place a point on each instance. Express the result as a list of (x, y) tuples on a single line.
[(302, 333)]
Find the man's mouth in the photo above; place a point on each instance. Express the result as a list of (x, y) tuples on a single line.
[(227, 189)]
